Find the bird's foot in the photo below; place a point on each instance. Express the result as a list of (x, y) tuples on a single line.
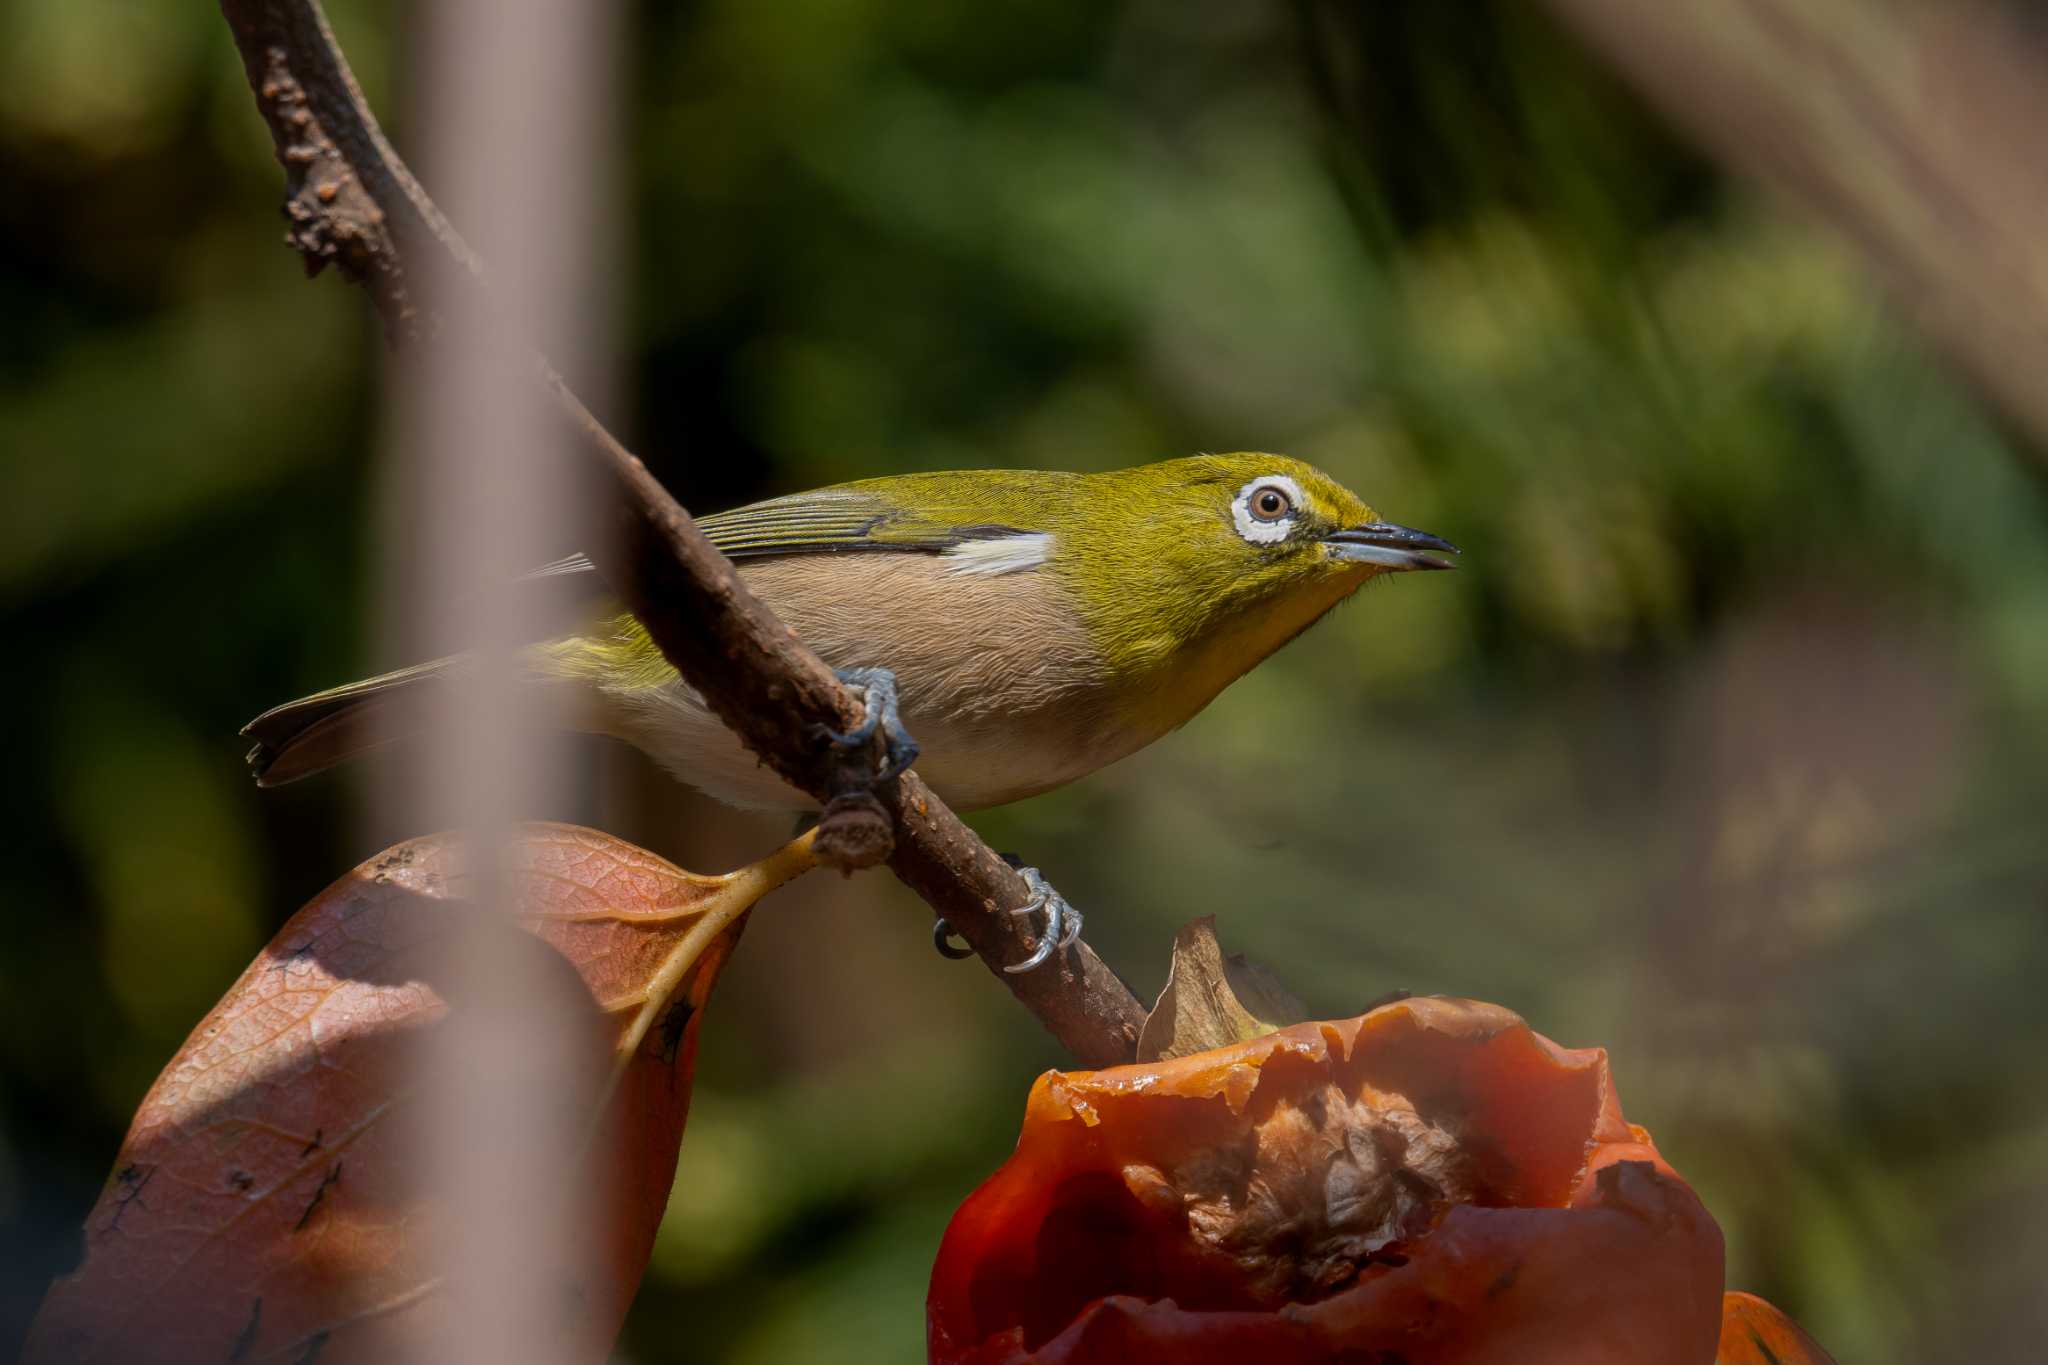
[(1062, 921), (878, 687), (942, 939)]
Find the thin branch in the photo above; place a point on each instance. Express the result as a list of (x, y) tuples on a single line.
[(352, 203)]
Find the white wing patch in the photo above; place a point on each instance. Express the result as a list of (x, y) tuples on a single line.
[(1000, 554)]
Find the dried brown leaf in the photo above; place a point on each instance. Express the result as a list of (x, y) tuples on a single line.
[(265, 1205)]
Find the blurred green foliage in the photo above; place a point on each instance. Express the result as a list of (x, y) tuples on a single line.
[(1726, 749)]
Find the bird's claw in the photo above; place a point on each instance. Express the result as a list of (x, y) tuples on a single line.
[(878, 689), (1062, 921), (942, 939)]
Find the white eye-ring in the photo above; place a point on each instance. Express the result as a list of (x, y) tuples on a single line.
[(1264, 509)]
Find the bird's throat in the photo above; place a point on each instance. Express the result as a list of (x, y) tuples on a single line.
[(1172, 691)]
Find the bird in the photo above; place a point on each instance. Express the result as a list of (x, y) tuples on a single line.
[(1027, 627)]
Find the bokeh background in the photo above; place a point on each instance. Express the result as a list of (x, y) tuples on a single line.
[(1726, 749)]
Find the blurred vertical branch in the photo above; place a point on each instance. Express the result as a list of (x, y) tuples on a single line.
[(1913, 128), (352, 203), (511, 95)]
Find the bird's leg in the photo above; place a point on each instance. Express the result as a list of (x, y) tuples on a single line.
[(1062, 921), (878, 686)]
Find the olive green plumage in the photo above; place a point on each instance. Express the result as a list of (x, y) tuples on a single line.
[(1041, 624)]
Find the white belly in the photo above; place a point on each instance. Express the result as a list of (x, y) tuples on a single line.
[(1000, 686), (969, 766)]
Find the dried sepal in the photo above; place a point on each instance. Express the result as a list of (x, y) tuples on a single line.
[(1212, 999)]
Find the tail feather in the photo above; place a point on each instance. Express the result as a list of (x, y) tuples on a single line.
[(314, 733)]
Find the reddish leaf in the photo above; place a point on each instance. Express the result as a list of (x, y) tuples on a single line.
[(1754, 1333), (266, 1207)]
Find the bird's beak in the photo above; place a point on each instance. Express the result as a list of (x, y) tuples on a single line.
[(1389, 547)]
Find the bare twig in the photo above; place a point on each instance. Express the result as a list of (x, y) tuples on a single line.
[(352, 203)]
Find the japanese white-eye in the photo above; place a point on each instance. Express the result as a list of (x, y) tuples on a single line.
[(1040, 625)]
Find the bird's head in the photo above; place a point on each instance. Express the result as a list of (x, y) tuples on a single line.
[(1215, 561)]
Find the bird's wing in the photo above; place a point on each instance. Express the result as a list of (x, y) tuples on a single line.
[(567, 564), (831, 520), (824, 521)]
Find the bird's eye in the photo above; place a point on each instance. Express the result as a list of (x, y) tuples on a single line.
[(1270, 504), (1265, 509)]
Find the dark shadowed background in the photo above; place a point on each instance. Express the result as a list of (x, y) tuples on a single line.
[(1726, 749)]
